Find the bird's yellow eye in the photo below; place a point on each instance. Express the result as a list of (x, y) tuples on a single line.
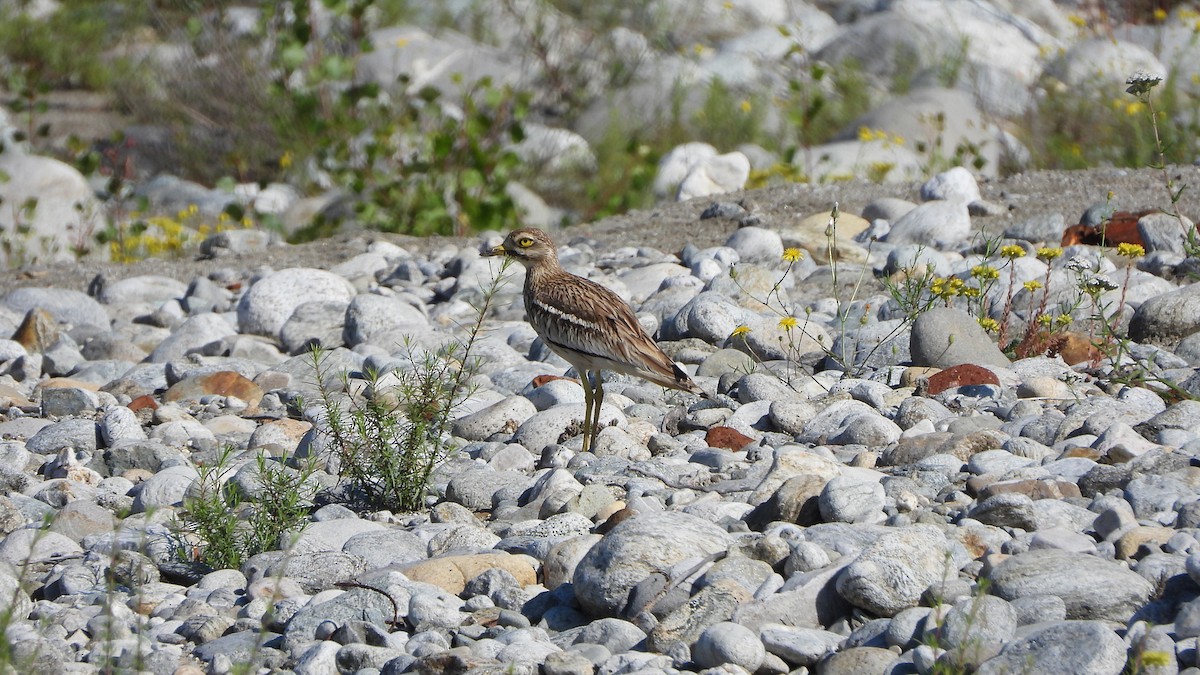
[(525, 242)]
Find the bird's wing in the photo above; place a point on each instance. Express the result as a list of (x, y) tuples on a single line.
[(582, 316)]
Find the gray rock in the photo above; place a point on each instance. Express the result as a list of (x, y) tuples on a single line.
[(728, 643), (859, 660), (66, 306), (68, 401), (939, 224), (195, 333), (75, 433), (146, 288), (269, 303), (381, 319), (676, 164), (1162, 232), (614, 635), (852, 499), (1103, 62), (1031, 609), (26, 545), (956, 185), (431, 608), (475, 488), (756, 244), (165, 488), (1151, 495), (388, 547), (120, 424), (985, 622), (1065, 647), (328, 535), (710, 317), (636, 548), (892, 573), (504, 416), (319, 322), (556, 424), (714, 176), (945, 337), (1007, 509), (1045, 228), (1090, 587), (799, 646), (1168, 318)]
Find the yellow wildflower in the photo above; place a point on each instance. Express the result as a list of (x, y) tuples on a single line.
[(745, 106), (1044, 319), (988, 324), (1160, 14), (1032, 285), (1062, 320), (285, 161), (740, 331), (985, 272), (787, 322), (792, 254), (1128, 250), (1077, 20), (1049, 253), (1134, 108), (1012, 251)]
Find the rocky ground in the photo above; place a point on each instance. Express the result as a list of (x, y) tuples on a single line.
[(1026, 196), (941, 506)]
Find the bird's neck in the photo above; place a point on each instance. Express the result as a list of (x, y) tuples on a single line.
[(543, 271)]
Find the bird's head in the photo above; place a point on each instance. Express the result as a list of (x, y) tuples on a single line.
[(528, 246)]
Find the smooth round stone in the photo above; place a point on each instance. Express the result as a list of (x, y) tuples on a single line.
[(1069, 646), (195, 333), (1090, 587), (555, 392), (945, 337), (756, 244), (853, 498), (639, 545), (893, 572), (268, 304), (957, 184), (65, 305), (119, 423), (729, 643), (938, 224), (504, 415), (377, 318)]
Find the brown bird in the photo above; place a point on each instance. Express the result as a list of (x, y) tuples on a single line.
[(588, 325)]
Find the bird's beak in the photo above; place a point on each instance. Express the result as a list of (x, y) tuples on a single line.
[(495, 250)]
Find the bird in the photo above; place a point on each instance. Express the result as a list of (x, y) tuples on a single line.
[(586, 324)]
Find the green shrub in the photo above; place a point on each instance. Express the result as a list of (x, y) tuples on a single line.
[(222, 526), (389, 437)]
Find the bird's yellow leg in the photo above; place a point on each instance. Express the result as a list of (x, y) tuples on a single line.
[(587, 408), (597, 401)]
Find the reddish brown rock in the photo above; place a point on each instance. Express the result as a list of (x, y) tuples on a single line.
[(1121, 228), (451, 573), (142, 403), (963, 375), (37, 332), (1040, 488), (223, 383), (66, 383), (725, 437), (1076, 348)]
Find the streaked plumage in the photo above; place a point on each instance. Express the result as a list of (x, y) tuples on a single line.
[(588, 325)]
